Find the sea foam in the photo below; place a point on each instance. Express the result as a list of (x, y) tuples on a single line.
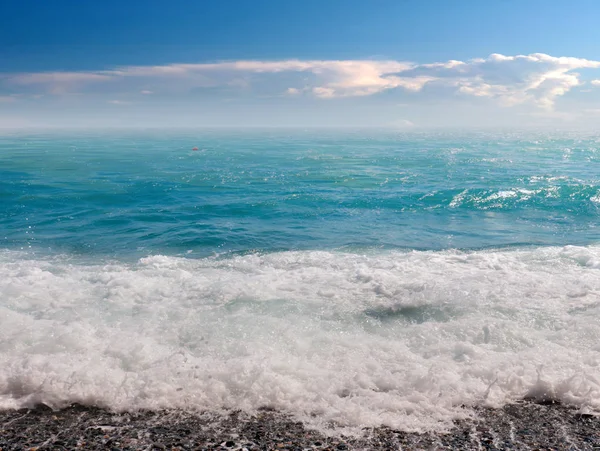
[(405, 339)]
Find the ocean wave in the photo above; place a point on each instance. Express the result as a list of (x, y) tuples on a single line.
[(404, 339)]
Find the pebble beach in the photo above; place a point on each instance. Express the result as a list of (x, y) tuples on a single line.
[(522, 426)]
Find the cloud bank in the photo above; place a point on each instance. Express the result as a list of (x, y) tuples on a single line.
[(537, 79)]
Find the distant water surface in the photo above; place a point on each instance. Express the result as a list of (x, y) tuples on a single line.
[(140, 193)]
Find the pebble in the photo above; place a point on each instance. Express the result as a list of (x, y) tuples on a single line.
[(523, 426)]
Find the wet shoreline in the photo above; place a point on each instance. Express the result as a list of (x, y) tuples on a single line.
[(522, 426)]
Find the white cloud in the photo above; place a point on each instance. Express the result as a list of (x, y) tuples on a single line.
[(595, 82), (401, 123), (55, 78), (119, 102), (511, 80), (324, 93), (338, 78), (535, 79)]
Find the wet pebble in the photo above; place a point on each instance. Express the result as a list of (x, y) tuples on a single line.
[(521, 426)]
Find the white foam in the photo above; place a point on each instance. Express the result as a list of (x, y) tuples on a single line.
[(402, 339)]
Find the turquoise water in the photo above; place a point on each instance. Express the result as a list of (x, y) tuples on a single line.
[(355, 277), (133, 194)]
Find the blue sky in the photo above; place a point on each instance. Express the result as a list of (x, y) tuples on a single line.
[(397, 63)]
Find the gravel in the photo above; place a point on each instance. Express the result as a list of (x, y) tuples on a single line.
[(522, 426)]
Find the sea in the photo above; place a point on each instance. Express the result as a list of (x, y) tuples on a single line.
[(354, 278)]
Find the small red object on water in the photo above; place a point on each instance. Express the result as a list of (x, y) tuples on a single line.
[(194, 148)]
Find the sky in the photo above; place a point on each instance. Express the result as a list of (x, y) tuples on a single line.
[(284, 63)]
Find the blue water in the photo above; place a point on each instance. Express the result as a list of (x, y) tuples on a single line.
[(133, 194)]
